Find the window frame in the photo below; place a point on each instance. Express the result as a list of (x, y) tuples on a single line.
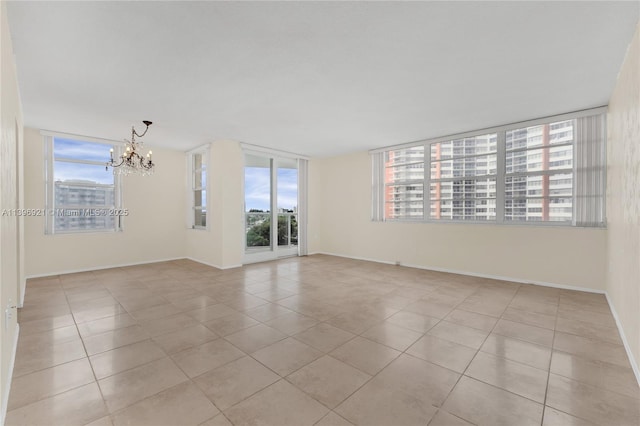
[(406, 182), (546, 173), (191, 186), (475, 178), (49, 182), (379, 183)]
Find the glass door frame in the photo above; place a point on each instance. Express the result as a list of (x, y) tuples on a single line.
[(274, 250)]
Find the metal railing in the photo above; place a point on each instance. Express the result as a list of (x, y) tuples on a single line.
[(258, 229)]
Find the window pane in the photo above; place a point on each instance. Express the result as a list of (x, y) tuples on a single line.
[(404, 189), (287, 190), (258, 229), (199, 181), (404, 202), (80, 150), (540, 159), (464, 147), (200, 198), (464, 209), (83, 194), (407, 172), (539, 186), (554, 209), (257, 201), (542, 135), (200, 178), (200, 218), (197, 161), (561, 185), (287, 230), (81, 173), (287, 202), (257, 189), (80, 194), (459, 167), (395, 193), (404, 210), (74, 220), (403, 156), (464, 188)]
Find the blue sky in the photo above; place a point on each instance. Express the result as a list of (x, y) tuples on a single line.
[(257, 192), (79, 150)]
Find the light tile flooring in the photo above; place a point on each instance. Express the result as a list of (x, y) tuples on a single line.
[(314, 340)]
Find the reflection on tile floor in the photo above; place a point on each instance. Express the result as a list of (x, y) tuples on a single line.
[(314, 340)]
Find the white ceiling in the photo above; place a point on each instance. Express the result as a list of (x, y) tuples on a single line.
[(315, 78)]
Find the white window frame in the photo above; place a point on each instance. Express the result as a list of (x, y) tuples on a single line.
[(427, 196), (379, 184), (545, 173), (49, 181), (191, 186)]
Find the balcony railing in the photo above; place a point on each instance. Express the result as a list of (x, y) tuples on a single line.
[(258, 229)]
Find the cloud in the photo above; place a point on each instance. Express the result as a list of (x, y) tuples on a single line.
[(257, 184), (77, 171), (80, 150), (257, 188)]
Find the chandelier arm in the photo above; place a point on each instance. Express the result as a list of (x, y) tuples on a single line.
[(113, 163), (133, 130)]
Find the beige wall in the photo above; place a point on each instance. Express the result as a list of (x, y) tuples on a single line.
[(154, 230), (340, 224), (623, 198), (11, 274), (221, 244)]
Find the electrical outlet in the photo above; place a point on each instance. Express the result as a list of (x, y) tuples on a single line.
[(8, 314)]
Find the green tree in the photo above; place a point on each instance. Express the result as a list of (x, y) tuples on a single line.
[(259, 235)]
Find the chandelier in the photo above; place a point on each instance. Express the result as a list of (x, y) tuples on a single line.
[(131, 161)]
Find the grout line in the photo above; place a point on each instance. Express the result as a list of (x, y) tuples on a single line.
[(476, 354), (355, 278), (553, 341), (95, 378)]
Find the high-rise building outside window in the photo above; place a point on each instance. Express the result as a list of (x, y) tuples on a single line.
[(549, 171), (81, 196)]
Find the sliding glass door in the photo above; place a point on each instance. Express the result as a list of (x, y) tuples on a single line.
[(271, 207)]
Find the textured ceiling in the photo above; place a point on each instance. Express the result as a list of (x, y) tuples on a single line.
[(315, 78)]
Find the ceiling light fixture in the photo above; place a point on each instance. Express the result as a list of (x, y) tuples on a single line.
[(131, 162)]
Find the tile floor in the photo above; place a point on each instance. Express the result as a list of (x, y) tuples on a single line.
[(314, 340)]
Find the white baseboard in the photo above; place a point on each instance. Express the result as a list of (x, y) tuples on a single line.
[(212, 265), (122, 265), (7, 385), (625, 342), (97, 268), (474, 274)]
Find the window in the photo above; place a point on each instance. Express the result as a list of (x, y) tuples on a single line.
[(463, 178), (81, 195), (198, 205), (404, 180), (545, 171), (539, 173)]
